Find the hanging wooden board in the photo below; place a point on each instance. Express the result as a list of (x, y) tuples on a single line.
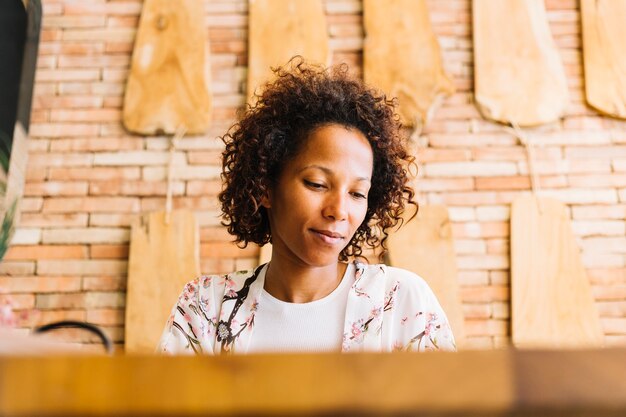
[(265, 254), (401, 56), (281, 29), (163, 258), (604, 32), (170, 78), (518, 74), (425, 246), (551, 300)]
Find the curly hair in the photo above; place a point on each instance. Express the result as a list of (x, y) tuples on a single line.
[(302, 98)]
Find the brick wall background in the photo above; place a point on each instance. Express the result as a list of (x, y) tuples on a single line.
[(87, 178)]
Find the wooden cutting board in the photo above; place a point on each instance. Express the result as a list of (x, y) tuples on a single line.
[(170, 78), (280, 29), (551, 300), (163, 258), (425, 246), (518, 74), (401, 56), (604, 33), (265, 254)]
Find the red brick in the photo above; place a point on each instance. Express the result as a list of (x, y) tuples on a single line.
[(34, 173), (40, 284), (118, 47), (104, 283), (609, 292), (48, 35), (79, 21), (67, 102), (51, 188), (56, 220), (135, 188), (608, 276), (123, 8), (106, 317), (94, 144), (61, 301), (94, 61), (215, 234), (205, 158), (123, 22), (16, 252), (484, 294), (35, 318), (113, 102), (96, 173), (98, 115), (109, 251), (200, 187), (190, 203), (486, 327), (96, 299), (519, 182), (226, 250), (59, 130), (18, 301), (67, 75), (91, 205), (112, 219)]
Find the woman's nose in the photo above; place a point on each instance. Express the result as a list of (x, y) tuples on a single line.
[(336, 207)]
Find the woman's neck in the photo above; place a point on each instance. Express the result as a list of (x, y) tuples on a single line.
[(295, 283)]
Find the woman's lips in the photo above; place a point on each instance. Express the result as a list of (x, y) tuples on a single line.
[(328, 236)]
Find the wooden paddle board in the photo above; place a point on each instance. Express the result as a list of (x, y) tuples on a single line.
[(425, 246), (281, 29), (551, 299), (265, 254), (604, 33), (170, 78), (518, 74), (402, 57), (163, 258)]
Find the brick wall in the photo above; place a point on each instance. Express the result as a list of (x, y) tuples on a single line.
[(87, 178)]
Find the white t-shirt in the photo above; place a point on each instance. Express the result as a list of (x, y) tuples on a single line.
[(316, 326), (384, 309)]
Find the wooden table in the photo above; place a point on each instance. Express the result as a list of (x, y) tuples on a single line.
[(472, 383)]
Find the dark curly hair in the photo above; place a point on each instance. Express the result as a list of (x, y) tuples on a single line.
[(302, 98)]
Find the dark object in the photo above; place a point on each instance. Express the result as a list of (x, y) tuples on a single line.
[(19, 42), (71, 324)]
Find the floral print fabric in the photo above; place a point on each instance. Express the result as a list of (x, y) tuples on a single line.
[(388, 309)]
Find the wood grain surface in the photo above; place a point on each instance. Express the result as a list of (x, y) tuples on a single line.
[(425, 246), (280, 29), (169, 84), (518, 74), (401, 56), (470, 383), (551, 300), (604, 34), (163, 257)]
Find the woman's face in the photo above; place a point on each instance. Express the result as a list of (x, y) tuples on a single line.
[(320, 198)]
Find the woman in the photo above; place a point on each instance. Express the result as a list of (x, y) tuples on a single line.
[(318, 168)]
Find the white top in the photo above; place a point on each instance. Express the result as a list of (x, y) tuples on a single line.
[(316, 326), (385, 309)]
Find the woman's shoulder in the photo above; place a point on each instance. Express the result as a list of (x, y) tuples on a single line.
[(393, 275), (214, 282)]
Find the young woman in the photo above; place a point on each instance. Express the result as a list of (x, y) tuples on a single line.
[(318, 168)]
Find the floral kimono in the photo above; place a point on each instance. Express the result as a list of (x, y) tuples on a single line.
[(388, 309)]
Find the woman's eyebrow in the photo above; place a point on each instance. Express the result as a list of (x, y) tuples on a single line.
[(330, 171)]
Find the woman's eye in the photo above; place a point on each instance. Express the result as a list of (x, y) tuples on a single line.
[(313, 185), (359, 195)]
